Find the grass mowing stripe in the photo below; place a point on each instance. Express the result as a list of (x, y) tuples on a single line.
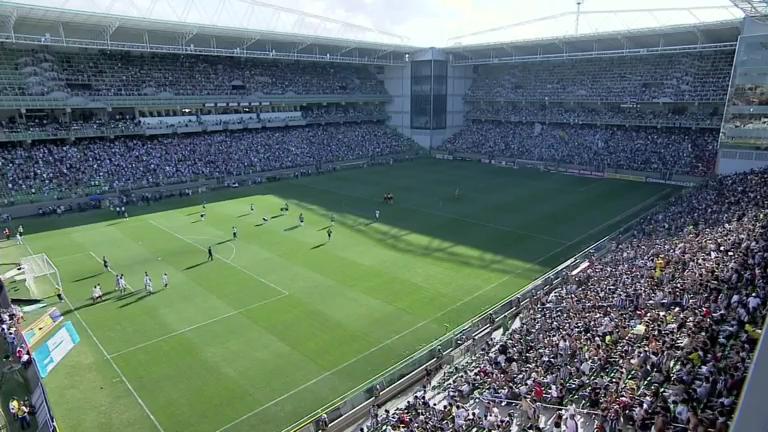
[(110, 269), (223, 259), (398, 336), (192, 327), (493, 285), (439, 213), (111, 362)]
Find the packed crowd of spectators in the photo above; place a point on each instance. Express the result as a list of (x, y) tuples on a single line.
[(117, 73), (616, 114), (131, 162), (650, 149), (693, 76), (655, 335)]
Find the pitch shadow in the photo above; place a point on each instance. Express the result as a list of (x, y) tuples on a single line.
[(196, 265), (88, 277), (291, 228)]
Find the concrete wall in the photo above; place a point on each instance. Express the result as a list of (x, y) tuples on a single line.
[(397, 80)]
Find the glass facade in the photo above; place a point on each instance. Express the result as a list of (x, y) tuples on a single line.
[(746, 112), (429, 94)]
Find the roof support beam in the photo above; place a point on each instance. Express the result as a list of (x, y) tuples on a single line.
[(109, 29), (347, 49), (250, 41), (185, 36), (381, 53), (10, 22), (301, 45), (61, 33)]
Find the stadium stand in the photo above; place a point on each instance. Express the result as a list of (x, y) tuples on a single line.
[(100, 165), (695, 76), (669, 150), (657, 334), (100, 73), (577, 112)]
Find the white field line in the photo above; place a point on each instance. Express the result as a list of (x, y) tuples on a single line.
[(264, 281), (447, 215), (234, 249), (192, 327), (110, 270), (390, 340), (111, 362)]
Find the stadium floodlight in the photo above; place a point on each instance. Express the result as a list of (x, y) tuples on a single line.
[(41, 275), (578, 14)]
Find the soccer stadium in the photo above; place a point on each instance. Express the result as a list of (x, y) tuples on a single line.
[(380, 216)]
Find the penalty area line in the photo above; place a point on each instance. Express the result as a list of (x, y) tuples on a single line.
[(262, 280)]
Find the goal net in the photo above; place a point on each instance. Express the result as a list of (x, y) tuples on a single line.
[(42, 277)]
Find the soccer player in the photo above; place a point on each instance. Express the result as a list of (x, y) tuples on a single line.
[(264, 219), (20, 230), (456, 193), (117, 283), (7, 233), (165, 280), (301, 219), (105, 263), (148, 283), (202, 215), (234, 233), (123, 284), (329, 231), (251, 208), (96, 294), (18, 238), (204, 203), (125, 213), (378, 213), (333, 219), (210, 253)]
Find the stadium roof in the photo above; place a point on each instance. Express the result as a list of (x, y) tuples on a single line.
[(230, 27)]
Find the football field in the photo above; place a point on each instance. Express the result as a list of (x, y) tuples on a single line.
[(283, 321)]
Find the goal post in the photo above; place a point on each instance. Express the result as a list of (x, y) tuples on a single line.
[(42, 276)]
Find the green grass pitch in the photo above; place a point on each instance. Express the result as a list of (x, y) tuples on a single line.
[(282, 322)]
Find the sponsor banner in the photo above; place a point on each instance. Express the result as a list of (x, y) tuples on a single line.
[(625, 177), (54, 349), (485, 160), (42, 326), (670, 182), (584, 173), (443, 156)]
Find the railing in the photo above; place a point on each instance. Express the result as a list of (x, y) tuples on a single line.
[(555, 119), (95, 102), (514, 302), (99, 44), (236, 52), (593, 54), (593, 99)]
